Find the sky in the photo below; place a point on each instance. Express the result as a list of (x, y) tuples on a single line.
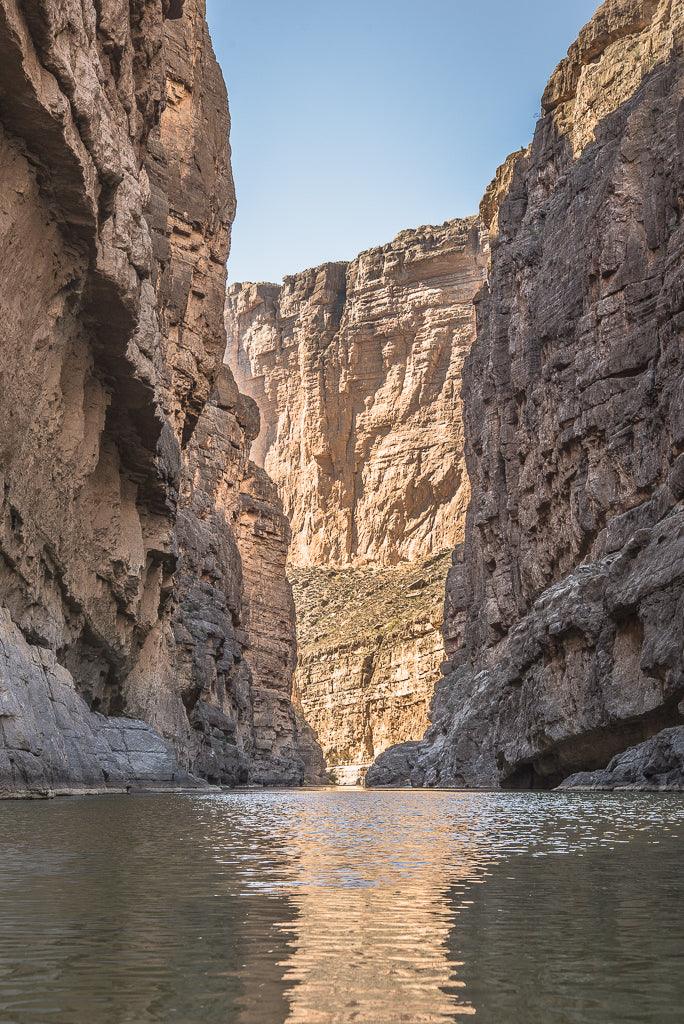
[(354, 120)]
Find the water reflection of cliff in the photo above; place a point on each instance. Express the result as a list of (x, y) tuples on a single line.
[(342, 908), (369, 941), (384, 923)]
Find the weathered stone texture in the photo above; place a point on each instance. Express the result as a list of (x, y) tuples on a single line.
[(357, 372), (356, 369), (53, 742), (656, 764), (229, 648), (565, 609), (370, 650), (115, 216)]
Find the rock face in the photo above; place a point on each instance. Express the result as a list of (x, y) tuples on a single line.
[(356, 369), (115, 218), (565, 610), (233, 644), (370, 647), (656, 764)]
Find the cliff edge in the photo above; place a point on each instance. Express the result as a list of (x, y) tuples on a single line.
[(123, 644)]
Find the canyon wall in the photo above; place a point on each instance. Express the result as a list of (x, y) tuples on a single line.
[(565, 607), (130, 512), (356, 369)]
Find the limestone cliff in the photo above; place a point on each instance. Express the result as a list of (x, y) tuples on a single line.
[(370, 647), (115, 216), (356, 369), (565, 609)]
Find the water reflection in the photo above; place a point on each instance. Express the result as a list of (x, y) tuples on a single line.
[(339, 906), (369, 881)]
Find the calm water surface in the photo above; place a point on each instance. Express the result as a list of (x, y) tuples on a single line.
[(342, 906)]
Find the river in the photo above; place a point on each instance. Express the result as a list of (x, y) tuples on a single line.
[(336, 906)]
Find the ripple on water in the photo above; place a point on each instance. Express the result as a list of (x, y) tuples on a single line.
[(332, 906)]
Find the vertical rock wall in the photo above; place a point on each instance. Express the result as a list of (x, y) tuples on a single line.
[(565, 610), (357, 372), (115, 218)]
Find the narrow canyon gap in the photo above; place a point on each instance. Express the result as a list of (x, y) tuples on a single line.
[(479, 425), (356, 369)]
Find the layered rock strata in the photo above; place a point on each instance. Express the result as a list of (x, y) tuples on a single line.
[(115, 218), (356, 369), (370, 647), (565, 610)]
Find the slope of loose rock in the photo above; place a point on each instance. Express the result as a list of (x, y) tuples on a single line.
[(370, 649)]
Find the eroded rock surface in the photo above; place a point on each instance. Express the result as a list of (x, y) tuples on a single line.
[(370, 648), (356, 369), (656, 764), (115, 217), (565, 610)]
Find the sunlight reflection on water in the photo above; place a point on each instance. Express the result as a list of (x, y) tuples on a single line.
[(320, 907)]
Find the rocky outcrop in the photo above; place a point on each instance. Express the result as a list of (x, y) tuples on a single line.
[(656, 764), (356, 369), (232, 646), (52, 742), (565, 610), (115, 220)]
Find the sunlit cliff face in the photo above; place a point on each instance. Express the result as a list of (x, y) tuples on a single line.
[(356, 369), (604, 67)]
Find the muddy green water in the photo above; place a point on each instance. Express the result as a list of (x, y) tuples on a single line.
[(342, 906)]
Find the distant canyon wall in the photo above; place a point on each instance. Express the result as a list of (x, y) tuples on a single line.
[(356, 369), (133, 530), (370, 649), (565, 607)]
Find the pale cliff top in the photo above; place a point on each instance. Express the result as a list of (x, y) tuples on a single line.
[(424, 235)]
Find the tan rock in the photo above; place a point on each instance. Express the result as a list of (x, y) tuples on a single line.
[(115, 216), (357, 373), (370, 649), (356, 370)]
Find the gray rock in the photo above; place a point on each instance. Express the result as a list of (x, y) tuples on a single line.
[(564, 613), (50, 741), (393, 768), (656, 764)]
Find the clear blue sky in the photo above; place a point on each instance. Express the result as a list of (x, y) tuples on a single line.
[(353, 120)]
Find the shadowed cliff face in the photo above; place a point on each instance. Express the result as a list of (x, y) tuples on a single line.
[(357, 372), (565, 609), (115, 220)]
